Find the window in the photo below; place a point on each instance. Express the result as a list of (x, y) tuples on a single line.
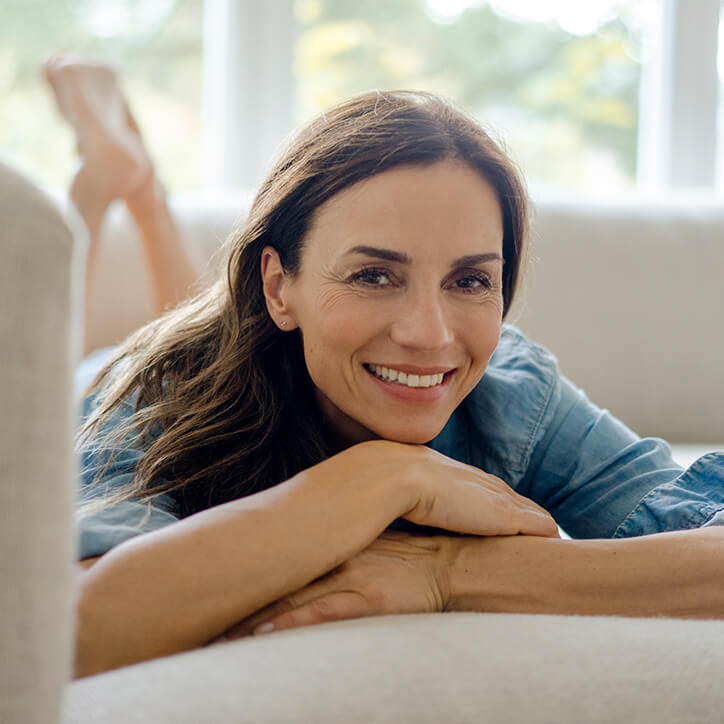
[(589, 97), (558, 81), (720, 68)]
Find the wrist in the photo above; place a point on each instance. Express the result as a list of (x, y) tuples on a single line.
[(399, 485), (504, 574), (448, 562)]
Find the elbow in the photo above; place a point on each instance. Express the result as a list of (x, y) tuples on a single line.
[(91, 650), (113, 631), (84, 665), (100, 643), (88, 645), (87, 659)]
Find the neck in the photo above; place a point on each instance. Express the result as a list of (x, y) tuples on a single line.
[(340, 431)]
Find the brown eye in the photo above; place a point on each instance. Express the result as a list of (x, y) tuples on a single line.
[(475, 283), (372, 277)]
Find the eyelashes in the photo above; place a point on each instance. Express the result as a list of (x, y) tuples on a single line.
[(479, 278), (476, 281), (366, 277)]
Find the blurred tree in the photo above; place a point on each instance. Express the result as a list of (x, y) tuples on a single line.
[(562, 101)]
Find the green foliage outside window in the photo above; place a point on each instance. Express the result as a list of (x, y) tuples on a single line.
[(566, 104)]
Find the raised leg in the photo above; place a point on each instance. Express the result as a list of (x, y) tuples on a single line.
[(116, 165)]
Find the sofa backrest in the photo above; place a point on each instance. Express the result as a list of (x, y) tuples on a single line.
[(628, 295), (630, 298)]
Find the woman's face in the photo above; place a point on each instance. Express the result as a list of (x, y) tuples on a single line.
[(400, 271)]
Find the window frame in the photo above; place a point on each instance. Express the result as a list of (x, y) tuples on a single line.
[(679, 98)]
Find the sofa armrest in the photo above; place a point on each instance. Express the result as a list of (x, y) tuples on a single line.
[(37, 345)]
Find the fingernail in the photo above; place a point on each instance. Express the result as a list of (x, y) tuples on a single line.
[(263, 628)]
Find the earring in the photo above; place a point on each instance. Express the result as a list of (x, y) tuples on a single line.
[(283, 324)]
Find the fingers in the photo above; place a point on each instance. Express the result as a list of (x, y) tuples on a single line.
[(541, 521), (542, 524), (533, 518), (331, 607), (296, 600)]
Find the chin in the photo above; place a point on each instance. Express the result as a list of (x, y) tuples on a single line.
[(419, 436)]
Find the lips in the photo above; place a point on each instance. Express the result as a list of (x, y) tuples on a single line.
[(398, 377), (411, 369)]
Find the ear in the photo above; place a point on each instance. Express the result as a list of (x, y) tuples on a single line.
[(276, 283)]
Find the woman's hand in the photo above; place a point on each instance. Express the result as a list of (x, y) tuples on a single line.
[(448, 494), (391, 572), (397, 573)]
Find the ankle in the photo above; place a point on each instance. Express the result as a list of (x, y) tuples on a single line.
[(92, 205), (147, 198)]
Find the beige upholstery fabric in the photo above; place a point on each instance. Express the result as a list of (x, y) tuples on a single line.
[(429, 669), (36, 543), (630, 297)]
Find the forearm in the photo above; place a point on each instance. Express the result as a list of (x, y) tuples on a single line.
[(171, 271), (678, 574), (177, 588)]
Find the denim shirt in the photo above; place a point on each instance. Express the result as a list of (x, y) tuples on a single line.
[(525, 423)]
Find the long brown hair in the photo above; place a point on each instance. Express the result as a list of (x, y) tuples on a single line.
[(221, 399)]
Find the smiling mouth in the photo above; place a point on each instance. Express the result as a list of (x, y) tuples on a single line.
[(398, 377)]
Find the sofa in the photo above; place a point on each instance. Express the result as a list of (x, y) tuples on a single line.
[(628, 295)]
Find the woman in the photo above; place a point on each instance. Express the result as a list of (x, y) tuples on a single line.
[(343, 426)]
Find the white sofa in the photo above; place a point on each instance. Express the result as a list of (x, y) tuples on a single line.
[(616, 290)]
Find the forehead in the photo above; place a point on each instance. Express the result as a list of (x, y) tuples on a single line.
[(443, 209)]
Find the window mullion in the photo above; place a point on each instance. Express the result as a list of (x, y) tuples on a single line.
[(247, 88), (679, 97)]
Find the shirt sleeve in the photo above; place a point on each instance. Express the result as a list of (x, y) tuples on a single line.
[(97, 532), (598, 479)]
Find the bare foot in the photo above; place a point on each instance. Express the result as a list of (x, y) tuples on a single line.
[(114, 161)]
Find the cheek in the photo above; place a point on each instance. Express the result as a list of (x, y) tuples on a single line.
[(485, 334), (334, 331)]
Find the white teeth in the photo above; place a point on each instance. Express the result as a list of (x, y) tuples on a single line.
[(392, 375), (387, 374)]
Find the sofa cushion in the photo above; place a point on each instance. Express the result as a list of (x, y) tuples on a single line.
[(428, 668), (629, 296), (685, 455)]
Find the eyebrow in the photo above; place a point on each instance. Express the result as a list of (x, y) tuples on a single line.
[(401, 258)]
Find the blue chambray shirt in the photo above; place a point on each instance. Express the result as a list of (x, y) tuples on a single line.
[(525, 423)]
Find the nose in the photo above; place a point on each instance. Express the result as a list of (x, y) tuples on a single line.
[(421, 322)]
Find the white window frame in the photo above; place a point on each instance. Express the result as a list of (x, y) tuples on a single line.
[(248, 93), (679, 94), (247, 88)]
